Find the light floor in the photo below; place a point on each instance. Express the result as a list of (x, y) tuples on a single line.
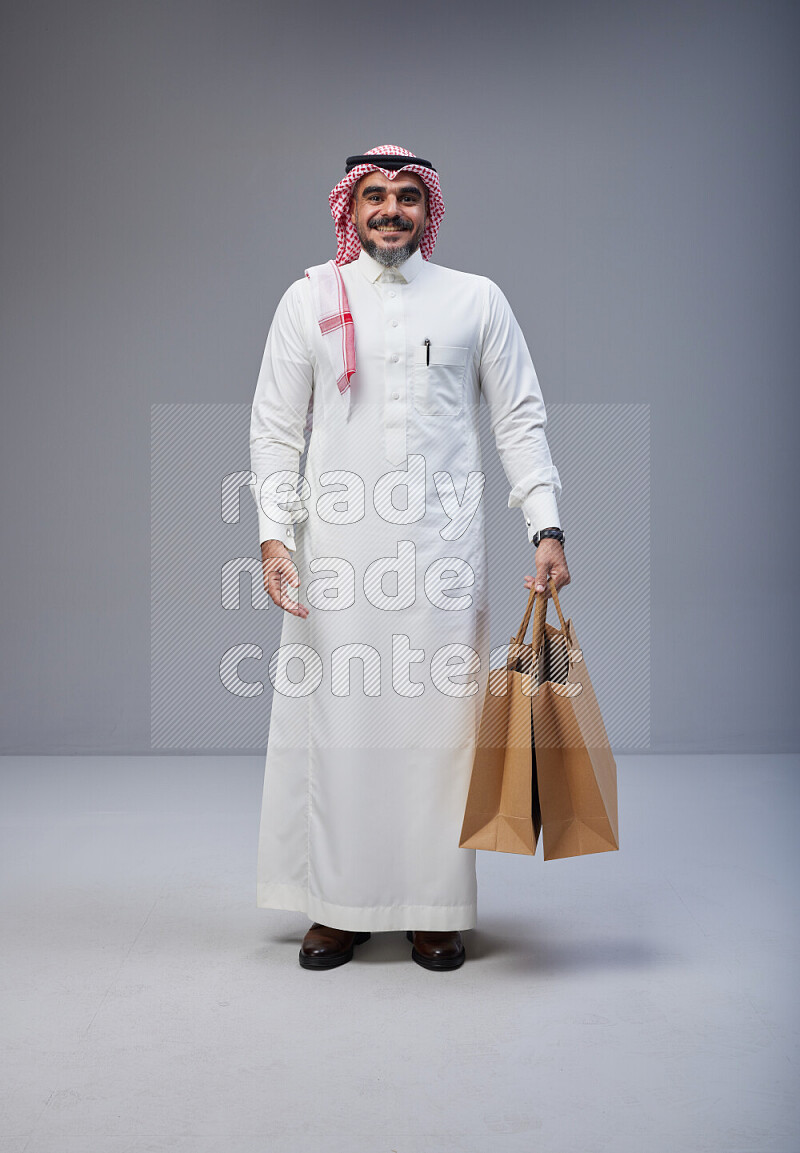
[(643, 1001)]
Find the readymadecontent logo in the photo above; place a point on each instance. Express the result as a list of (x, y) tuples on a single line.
[(398, 497)]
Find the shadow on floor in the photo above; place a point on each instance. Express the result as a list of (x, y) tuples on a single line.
[(522, 951)]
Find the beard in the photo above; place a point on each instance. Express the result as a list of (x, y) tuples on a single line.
[(389, 257)]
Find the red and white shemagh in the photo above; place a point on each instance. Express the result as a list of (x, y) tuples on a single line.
[(331, 306), (348, 245), (332, 311)]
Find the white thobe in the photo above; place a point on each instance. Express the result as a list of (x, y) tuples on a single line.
[(374, 722)]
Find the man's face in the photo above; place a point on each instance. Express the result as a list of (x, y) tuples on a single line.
[(389, 215)]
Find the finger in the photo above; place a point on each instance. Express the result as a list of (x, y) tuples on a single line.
[(290, 573), (287, 603), (274, 590), (277, 584), (284, 568), (294, 607), (280, 572)]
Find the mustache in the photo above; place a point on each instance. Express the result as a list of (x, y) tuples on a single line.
[(393, 221)]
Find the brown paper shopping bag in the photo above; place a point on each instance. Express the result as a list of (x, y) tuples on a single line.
[(576, 771), (502, 810), (542, 759)]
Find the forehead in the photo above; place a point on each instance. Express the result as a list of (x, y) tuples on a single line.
[(377, 179)]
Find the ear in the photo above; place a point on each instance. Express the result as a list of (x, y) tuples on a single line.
[(352, 209)]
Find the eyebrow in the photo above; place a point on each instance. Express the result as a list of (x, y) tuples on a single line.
[(405, 189)]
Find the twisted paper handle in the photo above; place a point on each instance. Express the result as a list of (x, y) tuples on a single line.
[(539, 618)]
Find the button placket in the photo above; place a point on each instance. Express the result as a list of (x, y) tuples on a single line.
[(394, 419)]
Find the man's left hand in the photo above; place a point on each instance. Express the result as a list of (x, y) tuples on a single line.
[(550, 562)]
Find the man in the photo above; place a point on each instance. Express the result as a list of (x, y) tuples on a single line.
[(380, 676)]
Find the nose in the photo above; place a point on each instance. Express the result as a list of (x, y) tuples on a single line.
[(392, 206)]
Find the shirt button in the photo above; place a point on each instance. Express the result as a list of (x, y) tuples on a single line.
[(393, 293), (395, 396), (394, 323), (288, 532), (395, 358)]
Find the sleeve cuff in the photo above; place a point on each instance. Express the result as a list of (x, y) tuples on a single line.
[(273, 530), (541, 511)]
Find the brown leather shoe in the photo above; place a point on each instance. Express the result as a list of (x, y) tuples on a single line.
[(437, 950), (325, 948)]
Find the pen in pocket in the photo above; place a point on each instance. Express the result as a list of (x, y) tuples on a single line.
[(427, 344)]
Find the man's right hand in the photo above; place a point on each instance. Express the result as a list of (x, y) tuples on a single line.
[(280, 571)]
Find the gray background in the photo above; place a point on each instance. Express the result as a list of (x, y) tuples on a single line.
[(626, 172)]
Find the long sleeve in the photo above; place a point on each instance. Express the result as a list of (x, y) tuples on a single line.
[(280, 405), (517, 413)]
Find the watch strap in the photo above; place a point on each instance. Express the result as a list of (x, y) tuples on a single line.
[(553, 533)]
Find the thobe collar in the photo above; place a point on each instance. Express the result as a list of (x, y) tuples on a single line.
[(373, 269)]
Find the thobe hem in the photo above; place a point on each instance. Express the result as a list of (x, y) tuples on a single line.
[(374, 918)]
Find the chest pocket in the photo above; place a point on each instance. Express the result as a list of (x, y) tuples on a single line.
[(439, 386)]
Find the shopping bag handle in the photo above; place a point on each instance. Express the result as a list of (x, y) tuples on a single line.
[(539, 618), (557, 603)]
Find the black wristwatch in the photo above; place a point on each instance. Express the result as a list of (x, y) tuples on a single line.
[(555, 533)]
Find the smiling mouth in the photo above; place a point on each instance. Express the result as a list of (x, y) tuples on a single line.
[(391, 228)]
